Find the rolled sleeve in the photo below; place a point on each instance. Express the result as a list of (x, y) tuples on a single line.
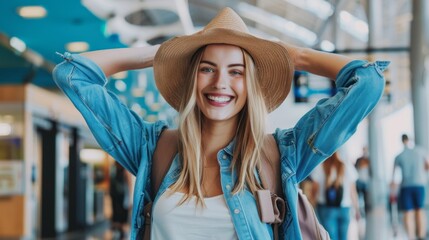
[(334, 120), (118, 130)]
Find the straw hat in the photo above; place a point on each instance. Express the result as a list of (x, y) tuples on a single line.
[(272, 60)]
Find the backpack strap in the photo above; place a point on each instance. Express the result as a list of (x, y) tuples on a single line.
[(270, 175), (271, 204), (166, 149), (270, 170)]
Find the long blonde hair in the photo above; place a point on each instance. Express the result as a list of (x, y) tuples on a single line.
[(250, 135)]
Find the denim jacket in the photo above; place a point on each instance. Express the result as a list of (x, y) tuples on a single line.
[(132, 141)]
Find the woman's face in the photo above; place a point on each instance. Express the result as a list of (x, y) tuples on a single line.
[(221, 85)]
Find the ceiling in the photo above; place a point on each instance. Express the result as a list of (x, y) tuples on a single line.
[(66, 21), (286, 20)]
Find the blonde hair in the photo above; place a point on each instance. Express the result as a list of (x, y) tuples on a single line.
[(250, 135)]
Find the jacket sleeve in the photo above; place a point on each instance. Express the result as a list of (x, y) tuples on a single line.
[(118, 130), (322, 130)]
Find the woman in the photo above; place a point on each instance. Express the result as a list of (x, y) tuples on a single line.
[(337, 195), (223, 82)]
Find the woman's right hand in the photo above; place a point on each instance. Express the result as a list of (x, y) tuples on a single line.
[(116, 60)]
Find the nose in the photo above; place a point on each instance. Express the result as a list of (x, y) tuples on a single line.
[(220, 80)]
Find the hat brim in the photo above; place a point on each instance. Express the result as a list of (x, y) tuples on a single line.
[(272, 61)]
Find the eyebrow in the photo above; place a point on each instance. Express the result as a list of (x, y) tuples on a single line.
[(230, 65)]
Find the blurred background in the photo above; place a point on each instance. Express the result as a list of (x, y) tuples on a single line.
[(55, 179)]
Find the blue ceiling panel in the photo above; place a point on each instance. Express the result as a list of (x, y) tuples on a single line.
[(66, 21)]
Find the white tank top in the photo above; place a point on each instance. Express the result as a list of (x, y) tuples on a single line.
[(189, 222)]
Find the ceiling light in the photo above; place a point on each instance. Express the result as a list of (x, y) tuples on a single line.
[(277, 23), (136, 108), (327, 46), (32, 12), (5, 129), (354, 26), (77, 46), (320, 8), (120, 85), (150, 98), (17, 44), (137, 92), (155, 107)]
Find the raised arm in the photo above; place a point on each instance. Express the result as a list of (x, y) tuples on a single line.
[(119, 131), (116, 60), (317, 62), (322, 130)]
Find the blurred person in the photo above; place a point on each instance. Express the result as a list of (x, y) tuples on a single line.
[(336, 195), (120, 195), (364, 173), (223, 81), (413, 163)]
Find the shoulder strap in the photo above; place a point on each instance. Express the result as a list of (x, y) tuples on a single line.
[(166, 149), (271, 177), (269, 171)]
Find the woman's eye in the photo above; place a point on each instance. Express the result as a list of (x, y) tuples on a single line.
[(207, 69), (236, 72)]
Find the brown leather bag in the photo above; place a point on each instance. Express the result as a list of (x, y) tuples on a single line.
[(270, 174), (271, 205)]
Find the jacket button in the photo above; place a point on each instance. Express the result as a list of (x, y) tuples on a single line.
[(236, 211), (228, 187), (224, 156)]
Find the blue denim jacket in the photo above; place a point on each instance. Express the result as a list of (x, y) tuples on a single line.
[(132, 141)]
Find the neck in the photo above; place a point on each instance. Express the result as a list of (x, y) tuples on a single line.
[(217, 135)]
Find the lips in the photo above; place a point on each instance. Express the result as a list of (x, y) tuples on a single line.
[(219, 99)]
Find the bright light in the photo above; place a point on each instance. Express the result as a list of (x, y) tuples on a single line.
[(136, 108), (5, 129), (137, 92), (92, 156), (17, 44), (32, 12), (77, 46), (277, 23), (354, 26), (327, 46), (120, 85), (150, 98), (320, 8), (155, 106)]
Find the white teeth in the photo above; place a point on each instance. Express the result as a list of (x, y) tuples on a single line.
[(219, 99)]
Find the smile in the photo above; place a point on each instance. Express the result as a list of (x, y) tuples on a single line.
[(219, 99)]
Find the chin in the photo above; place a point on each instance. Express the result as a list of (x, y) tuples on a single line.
[(220, 117)]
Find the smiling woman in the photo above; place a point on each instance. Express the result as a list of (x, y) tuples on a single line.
[(221, 84), (223, 81)]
